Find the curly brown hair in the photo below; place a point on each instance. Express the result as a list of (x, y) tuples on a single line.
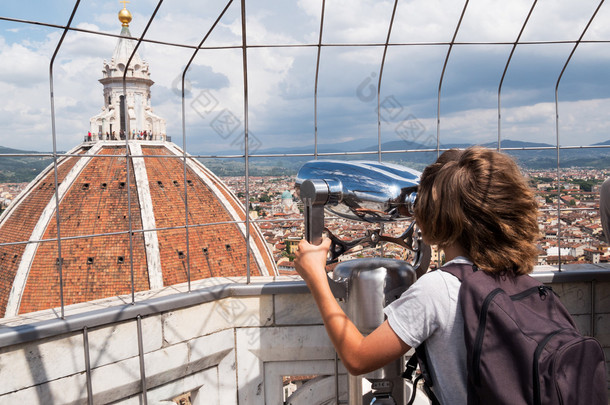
[(479, 198)]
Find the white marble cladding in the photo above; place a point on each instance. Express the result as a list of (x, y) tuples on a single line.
[(233, 350), (218, 350)]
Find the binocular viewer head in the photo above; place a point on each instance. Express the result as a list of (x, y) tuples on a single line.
[(372, 192), (359, 190)]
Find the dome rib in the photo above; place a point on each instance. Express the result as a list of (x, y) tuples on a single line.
[(236, 211), (21, 276), (151, 241), (124, 48), (218, 247)]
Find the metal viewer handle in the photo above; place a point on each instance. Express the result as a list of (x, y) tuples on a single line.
[(315, 194)]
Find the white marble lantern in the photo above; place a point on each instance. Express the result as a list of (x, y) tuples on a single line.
[(137, 121)]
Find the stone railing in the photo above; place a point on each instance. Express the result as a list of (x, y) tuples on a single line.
[(223, 342)]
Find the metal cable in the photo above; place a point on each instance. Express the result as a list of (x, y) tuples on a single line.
[(143, 385), (512, 51), (169, 228), (128, 158), (246, 139), (186, 206), (315, 91), (440, 82), (312, 45), (584, 31), (87, 365), (385, 51), (280, 155), (54, 136)]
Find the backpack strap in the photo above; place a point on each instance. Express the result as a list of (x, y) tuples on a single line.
[(420, 358), (460, 270)]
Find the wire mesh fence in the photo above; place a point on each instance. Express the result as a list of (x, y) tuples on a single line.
[(248, 85)]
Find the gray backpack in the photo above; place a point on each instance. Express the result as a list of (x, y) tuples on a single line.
[(522, 345)]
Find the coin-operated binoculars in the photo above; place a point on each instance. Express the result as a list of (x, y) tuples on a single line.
[(371, 192)]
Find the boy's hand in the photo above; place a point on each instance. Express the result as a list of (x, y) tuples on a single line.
[(310, 260)]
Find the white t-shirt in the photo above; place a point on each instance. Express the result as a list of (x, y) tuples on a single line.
[(429, 311)]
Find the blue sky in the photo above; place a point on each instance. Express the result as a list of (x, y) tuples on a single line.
[(281, 80)]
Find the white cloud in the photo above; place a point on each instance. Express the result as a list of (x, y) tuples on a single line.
[(580, 123), (281, 81), (21, 65)]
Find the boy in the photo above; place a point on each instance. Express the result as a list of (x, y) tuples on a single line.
[(476, 206)]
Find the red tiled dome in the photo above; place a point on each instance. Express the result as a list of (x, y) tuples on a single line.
[(93, 194)]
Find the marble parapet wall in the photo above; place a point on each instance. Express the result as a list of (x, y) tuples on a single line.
[(223, 342)]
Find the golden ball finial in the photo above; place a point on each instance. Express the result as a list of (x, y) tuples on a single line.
[(124, 14)]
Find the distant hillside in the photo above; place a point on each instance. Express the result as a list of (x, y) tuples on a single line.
[(547, 158), (16, 169), (19, 169), (529, 159)]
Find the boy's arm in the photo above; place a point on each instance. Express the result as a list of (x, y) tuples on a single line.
[(359, 354)]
